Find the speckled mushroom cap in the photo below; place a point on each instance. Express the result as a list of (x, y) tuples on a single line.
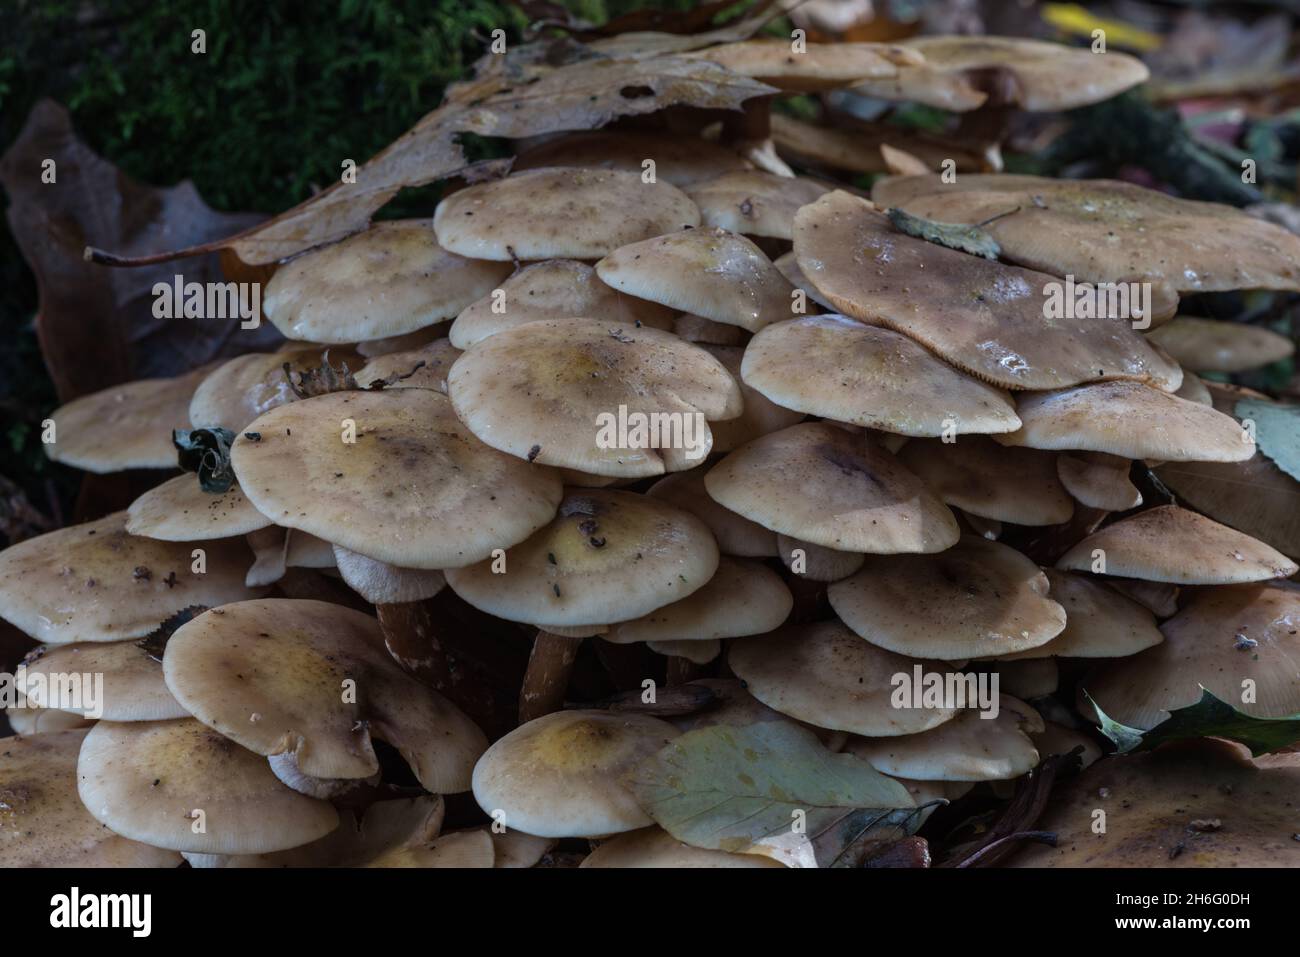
[(1099, 480), (1100, 622), (415, 488), (679, 160), (132, 686), (542, 392), (842, 369), (761, 415), (833, 488), (754, 202), (735, 534), (559, 775), (1150, 801), (985, 479), (979, 599), (655, 847), (1130, 420), (274, 676), (239, 390), (983, 317), (555, 289), (1222, 637), (818, 66), (1173, 544), (1213, 345), (1041, 76), (967, 748), (391, 279), (146, 779), (826, 675), (707, 272), (607, 556), (423, 368), (45, 823), (382, 584), (179, 510), (743, 597), (559, 213), (128, 426), (94, 582), (1105, 230)]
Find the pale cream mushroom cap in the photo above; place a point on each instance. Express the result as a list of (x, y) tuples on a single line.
[(707, 332), (45, 823), (471, 848), (655, 847), (1194, 389), (735, 534), (382, 584), (515, 849), (549, 391), (984, 317), (754, 202), (403, 369), (372, 348), (818, 66), (708, 272), (559, 214), (815, 562), (94, 582), (179, 510), (392, 279), (25, 718), (1213, 345), (680, 160), (978, 599), (239, 390), (274, 676), (761, 415), (1099, 480), (821, 484), (559, 775), (698, 652), (1159, 598), (1173, 544), (120, 681), (838, 368), (415, 488), (607, 556), (1100, 622)]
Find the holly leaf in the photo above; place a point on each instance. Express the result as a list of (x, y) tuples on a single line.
[(1208, 718), (206, 451), (1277, 431), (967, 239)]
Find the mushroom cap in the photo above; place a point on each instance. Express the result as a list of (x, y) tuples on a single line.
[(559, 213), (1102, 230), (1172, 544), (1194, 389), (967, 748), (707, 272), (978, 476), (682, 161), (1222, 637), (1028, 678), (788, 264), (607, 556), (841, 369), (1130, 420), (146, 779), (179, 510), (826, 675), (382, 584), (516, 849), (455, 849), (405, 367), (127, 426), (761, 415), (983, 317), (275, 675), (655, 847), (328, 294), (133, 688), (754, 202), (1099, 480), (371, 348), (1100, 622), (707, 332), (735, 534), (824, 485), (45, 823), (24, 718), (555, 289), (559, 775), (1159, 598), (1212, 345), (94, 582), (817, 563), (819, 66), (744, 597), (415, 489), (1151, 800), (979, 599), (698, 652), (239, 390), (542, 391)]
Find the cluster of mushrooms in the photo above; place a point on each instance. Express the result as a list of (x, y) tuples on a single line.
[(905, 463)]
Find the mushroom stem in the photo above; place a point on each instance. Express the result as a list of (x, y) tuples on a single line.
[(682, 670), (547, 677), (750, 134), (412, 640)]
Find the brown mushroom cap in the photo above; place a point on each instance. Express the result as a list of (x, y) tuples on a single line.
[(540, 391), (754, 202), (761, 415), (382, 584), (1100, 622), (606, 557), (1176, 545), (979, 599), (415, 488), (682, 161), (329, 294), (735, 534), (655, 847), (707, 272), (94, 582), (274, 676), (132, 690), (423, 368), (819, 66), (147, 779), (45, 823), (239, 390), (978, 476), (826, 675), (559, 214), (179, 510), (983, 317), (841, 369), (559, 775), (1099, 480), (1212, 345), (788, 264)]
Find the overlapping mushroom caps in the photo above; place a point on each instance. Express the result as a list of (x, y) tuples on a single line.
[(240, 389), (679, 161), (115, 681)]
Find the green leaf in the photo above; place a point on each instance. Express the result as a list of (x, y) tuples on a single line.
[(206, 451), (1277, 431), (1208, 718), (772, 789), (968, 239)]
